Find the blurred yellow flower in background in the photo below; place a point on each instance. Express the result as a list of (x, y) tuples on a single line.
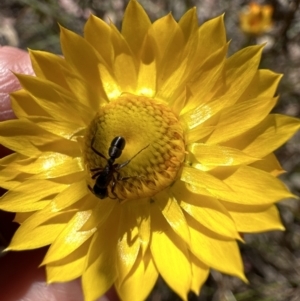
[(196, 167), (256, 19)]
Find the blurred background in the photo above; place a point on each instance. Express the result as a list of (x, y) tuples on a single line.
[(272, 260)]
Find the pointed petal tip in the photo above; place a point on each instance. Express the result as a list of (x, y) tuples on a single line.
[(292, 196), (63, 30), (244, 278), (93, 18), (41, 264), (240, 239)]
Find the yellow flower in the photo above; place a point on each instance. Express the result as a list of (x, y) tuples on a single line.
[(256, 19), (198, 135)]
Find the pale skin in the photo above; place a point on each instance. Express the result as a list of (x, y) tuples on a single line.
[(20, 276)]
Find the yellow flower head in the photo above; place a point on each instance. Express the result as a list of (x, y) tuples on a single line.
[(256, 19), (143, 152)]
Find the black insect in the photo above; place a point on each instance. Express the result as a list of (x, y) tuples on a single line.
[(110, 173)]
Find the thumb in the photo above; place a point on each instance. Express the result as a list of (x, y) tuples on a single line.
[(11, 60)]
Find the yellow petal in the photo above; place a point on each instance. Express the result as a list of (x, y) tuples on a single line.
[(172, 67), (87, 101), (208, 44), (203, 180), (125, 67), (18, 134), (203, 83), (170, 255), (10, 159), (24, 104), (40, 164), (65, 272), (222, 255), (251, 222), (241, 67), (264, 83), (128, 245), (189, 30), (202, 112), (21, 217), (99, 276), (189, 23), (97, 33), (48, 66), (165, 31), (100, 272), (73, 193), (200, 273), (252, 186), (57, 127), (31, 236), (198, 133), (70, 238), (217, 155), (101, 211), (69, 268), (8, 178), (173, 214), (206, 210), (87, 68), (67, 168), (110, 84), (236, 120), (269, 135), (135, 26), (142, 216), (125, 72), (27, 195), (146, 81), (119, 43), (140, 281), (269, 164), (55, 100)]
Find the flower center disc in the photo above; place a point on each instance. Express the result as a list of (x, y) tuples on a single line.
[(154, 144)]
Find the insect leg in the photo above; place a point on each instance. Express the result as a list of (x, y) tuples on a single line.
[(95, 151), (128, 161), (96, 169), (96, 174)]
